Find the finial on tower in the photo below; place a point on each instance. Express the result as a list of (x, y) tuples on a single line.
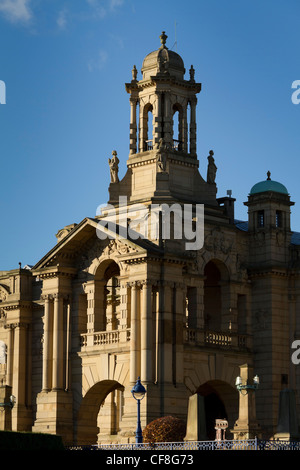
[(163, 39), (268, 175)]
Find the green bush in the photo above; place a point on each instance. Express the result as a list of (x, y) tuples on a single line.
[(10, 440), (165, 429)]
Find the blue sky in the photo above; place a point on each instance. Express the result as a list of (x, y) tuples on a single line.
[(64, 64)]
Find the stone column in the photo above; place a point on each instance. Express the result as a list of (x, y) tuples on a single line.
[(179, 317), (20, 358), (193, 126), (9, 355), (133, 126), (146, 334), (46, 346), (57, 371), (184, 130), (134, 334), (158, 121), (68, 345)]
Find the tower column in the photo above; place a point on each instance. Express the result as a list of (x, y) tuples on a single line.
[(133, 126), (193, 126), (157, 131), (184, 131)]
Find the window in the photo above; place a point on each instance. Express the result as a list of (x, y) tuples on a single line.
[(278, 219), (260, 219)]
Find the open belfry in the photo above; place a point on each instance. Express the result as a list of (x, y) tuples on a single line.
[(188, 304)]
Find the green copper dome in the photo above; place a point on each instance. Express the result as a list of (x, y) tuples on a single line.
[(268, 185)]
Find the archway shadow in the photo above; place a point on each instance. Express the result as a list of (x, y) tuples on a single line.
[(87, 429), (220, 403)]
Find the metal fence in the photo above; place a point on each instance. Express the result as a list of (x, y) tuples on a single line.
[(249, 444)]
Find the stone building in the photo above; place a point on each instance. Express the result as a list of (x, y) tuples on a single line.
[(107, 305)]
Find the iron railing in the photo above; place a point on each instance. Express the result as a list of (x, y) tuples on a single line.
[(247, 444)]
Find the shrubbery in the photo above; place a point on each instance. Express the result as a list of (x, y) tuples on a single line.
[(165, 429), (10, 440)]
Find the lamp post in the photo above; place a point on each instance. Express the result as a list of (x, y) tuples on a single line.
[(10, 403), (244, 388), (246, 426), (138, 393), (7, 402)]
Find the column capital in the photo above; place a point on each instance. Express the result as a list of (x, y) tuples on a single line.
[(180, 285), (133, 284), (133, 100), (55, 295), (146, 282), (45, 297), (166, 283)]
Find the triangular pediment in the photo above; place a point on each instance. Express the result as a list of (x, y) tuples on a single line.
[(84, 240)]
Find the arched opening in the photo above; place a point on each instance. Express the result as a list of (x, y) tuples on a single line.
[(112, 296), (219, 403), (177, 127), (191, 307), (91, 418), (146, 130), (107, 296), (216, 295), (212, 297)]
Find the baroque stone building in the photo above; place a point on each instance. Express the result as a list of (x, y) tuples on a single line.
[(102, 308)]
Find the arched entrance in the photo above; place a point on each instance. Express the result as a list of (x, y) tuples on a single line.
[(220, 403), (88, 424)]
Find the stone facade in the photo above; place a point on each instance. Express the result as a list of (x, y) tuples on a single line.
[(102, 309)]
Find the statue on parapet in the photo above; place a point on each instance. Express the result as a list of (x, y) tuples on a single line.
[(114, 167), (162, 149), (211, 169)]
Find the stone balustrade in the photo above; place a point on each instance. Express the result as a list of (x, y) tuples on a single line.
[(201, 337), (103, 338)]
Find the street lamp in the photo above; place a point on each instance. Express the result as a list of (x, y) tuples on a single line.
[(10, 404), (138, 393), (243, 389)]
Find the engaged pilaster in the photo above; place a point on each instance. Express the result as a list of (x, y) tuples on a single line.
[(57, 370), (146, 333), (134, 334)]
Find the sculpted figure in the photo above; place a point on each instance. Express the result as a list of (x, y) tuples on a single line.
[(211, 169), (114, 167)]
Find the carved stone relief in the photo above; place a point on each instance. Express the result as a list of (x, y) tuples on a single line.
[(3, 293)]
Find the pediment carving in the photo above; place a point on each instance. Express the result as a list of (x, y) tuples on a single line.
[(4, 292), (119, 247)]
